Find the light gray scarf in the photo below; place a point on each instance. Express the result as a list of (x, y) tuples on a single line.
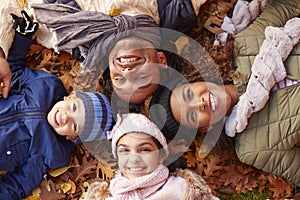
[(94, 33)]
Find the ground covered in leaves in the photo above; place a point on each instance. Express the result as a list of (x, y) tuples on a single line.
[(227, 177)]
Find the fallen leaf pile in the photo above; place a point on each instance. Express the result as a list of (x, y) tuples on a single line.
[(221, 168)]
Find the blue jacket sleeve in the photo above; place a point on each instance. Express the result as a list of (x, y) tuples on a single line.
[(20, 183), (18, 51)]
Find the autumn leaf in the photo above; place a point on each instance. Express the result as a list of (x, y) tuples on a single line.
[(213, 164), (191, 161), (35, 49), (85, 168), (59, 171), (279, 187), (107, 171), (231, 176), (23, 4), (52, 193), (221, 169)]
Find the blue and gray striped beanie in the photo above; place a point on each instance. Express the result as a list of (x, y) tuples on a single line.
[(98, 116)]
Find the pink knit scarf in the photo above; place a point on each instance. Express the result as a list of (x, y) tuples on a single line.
[(122, 188)]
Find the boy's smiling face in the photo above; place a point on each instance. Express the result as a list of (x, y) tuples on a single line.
[(67, 116)]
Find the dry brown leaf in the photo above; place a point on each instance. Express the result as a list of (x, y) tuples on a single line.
[(279, 187), (63, 57), (85, 168), (231, 176), (35, 49), (245, 169), (191, 161), (51, 194), (213, 164)]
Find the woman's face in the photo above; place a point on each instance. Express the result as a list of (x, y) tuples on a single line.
[(134, 66), (138, 155), (199, 104), (67, 116)]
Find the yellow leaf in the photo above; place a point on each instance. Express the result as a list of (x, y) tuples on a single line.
[(180, 43), (85, 184), (115, 12), (33, 197), (59, 171), (23, 3), (106, 170), (36, 192), (65, 187)]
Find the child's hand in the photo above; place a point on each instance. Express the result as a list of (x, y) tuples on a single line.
[(24, 25), (5, 77)]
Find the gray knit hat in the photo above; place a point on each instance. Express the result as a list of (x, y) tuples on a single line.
[(98, 116)]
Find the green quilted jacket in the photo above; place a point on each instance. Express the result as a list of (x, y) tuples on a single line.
[(271, 141)]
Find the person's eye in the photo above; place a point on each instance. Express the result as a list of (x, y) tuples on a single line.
[(141, 77), (75, 126), (193, 117), (188, 93), (119, 79), (123, 150), (74, 107), (145, 149)]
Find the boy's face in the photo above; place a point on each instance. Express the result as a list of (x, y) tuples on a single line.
[(67, 116), (134, 66), (138, 155), (199, 104)]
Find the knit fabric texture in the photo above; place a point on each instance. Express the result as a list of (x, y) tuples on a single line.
[(94, 33), (134, 122), (160, 110), (138, 188), (98, 116)]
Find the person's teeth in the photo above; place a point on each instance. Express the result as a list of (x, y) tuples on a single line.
[(135, 169), (127, 60), (212, 101)]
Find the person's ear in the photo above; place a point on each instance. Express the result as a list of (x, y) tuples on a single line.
[(162, 157), (205, 129), (162, 60), (72, 138), (73, 94), (70, 95)]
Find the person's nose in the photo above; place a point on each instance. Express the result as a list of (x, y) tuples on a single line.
[(127, 69), (200, 103), (203, 105), (66, 117), (134, 158)]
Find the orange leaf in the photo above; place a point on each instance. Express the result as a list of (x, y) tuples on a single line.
[(190, 159)]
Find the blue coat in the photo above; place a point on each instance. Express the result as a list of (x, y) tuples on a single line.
[(28, 144)]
